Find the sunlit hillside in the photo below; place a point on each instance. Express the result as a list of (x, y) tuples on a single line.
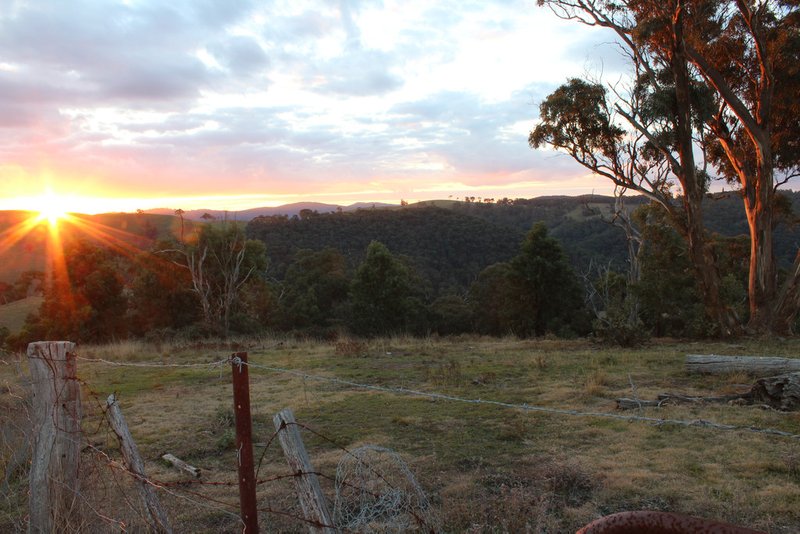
[(13, 314), (24, 240)]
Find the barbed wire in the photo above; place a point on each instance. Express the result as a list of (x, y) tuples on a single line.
[(115, 464), (209, 365), (702, 423), (181, 487)]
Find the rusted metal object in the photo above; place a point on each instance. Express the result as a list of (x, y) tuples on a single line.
[(660, 523)]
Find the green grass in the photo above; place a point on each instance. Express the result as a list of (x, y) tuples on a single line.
[(12, 315), (485, 468)]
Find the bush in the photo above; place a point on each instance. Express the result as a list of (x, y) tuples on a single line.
[(620, 333), (616, 326)]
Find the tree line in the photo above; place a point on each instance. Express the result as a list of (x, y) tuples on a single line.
[(217, 283), (280, 274)]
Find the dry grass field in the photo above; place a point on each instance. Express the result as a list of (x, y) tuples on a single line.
[(484, 467)]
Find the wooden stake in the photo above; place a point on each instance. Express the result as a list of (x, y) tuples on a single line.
[(244, 442), (177, 463), (130, 453), (312, 500), (54, 483)]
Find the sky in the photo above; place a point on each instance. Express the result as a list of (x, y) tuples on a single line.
[(137, 104)]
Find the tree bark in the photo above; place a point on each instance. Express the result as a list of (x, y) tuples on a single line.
[(780, 392), (693, 185), (761, 286), (788, 301)]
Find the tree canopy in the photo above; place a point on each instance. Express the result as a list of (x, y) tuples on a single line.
[(383, 297), (714, 78)]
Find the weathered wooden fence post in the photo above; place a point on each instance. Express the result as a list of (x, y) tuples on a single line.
[(130, 453), (312, 500), (54, 482), (244, 442)]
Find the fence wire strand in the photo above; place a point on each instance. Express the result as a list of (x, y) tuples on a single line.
[(208, 365), (702, 423)]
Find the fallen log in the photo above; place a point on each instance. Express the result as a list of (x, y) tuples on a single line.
[(755, 365), (675, 398), (781, 392)]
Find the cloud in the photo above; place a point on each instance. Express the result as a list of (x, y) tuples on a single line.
[(473, 135), (324, 48), (24, 90), (242, 55), (142, 82), (276, 96), (356, 73), (140, 54)]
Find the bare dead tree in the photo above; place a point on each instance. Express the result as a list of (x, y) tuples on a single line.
[(220, 264)]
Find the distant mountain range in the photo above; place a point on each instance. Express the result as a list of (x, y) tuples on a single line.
[(287, 209)]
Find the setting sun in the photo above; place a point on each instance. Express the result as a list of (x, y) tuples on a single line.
[(51, 207)]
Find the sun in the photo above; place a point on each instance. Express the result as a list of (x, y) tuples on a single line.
[(51, 208)]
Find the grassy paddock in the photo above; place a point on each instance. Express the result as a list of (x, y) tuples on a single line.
[(485, 468), (13, 315)]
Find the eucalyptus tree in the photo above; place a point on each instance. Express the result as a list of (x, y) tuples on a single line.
[(581, 119), (749, 52), (742, 57)]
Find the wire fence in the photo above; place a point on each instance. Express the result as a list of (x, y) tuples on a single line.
[(372, 494), (107, 500), (701, 423)]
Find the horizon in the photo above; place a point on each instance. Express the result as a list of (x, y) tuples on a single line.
[(93, 205), (160, 210), (480, 199)]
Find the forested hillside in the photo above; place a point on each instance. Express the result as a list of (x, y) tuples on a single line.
[(450, 242), (445, 267), (23, 240), (447, 247)]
